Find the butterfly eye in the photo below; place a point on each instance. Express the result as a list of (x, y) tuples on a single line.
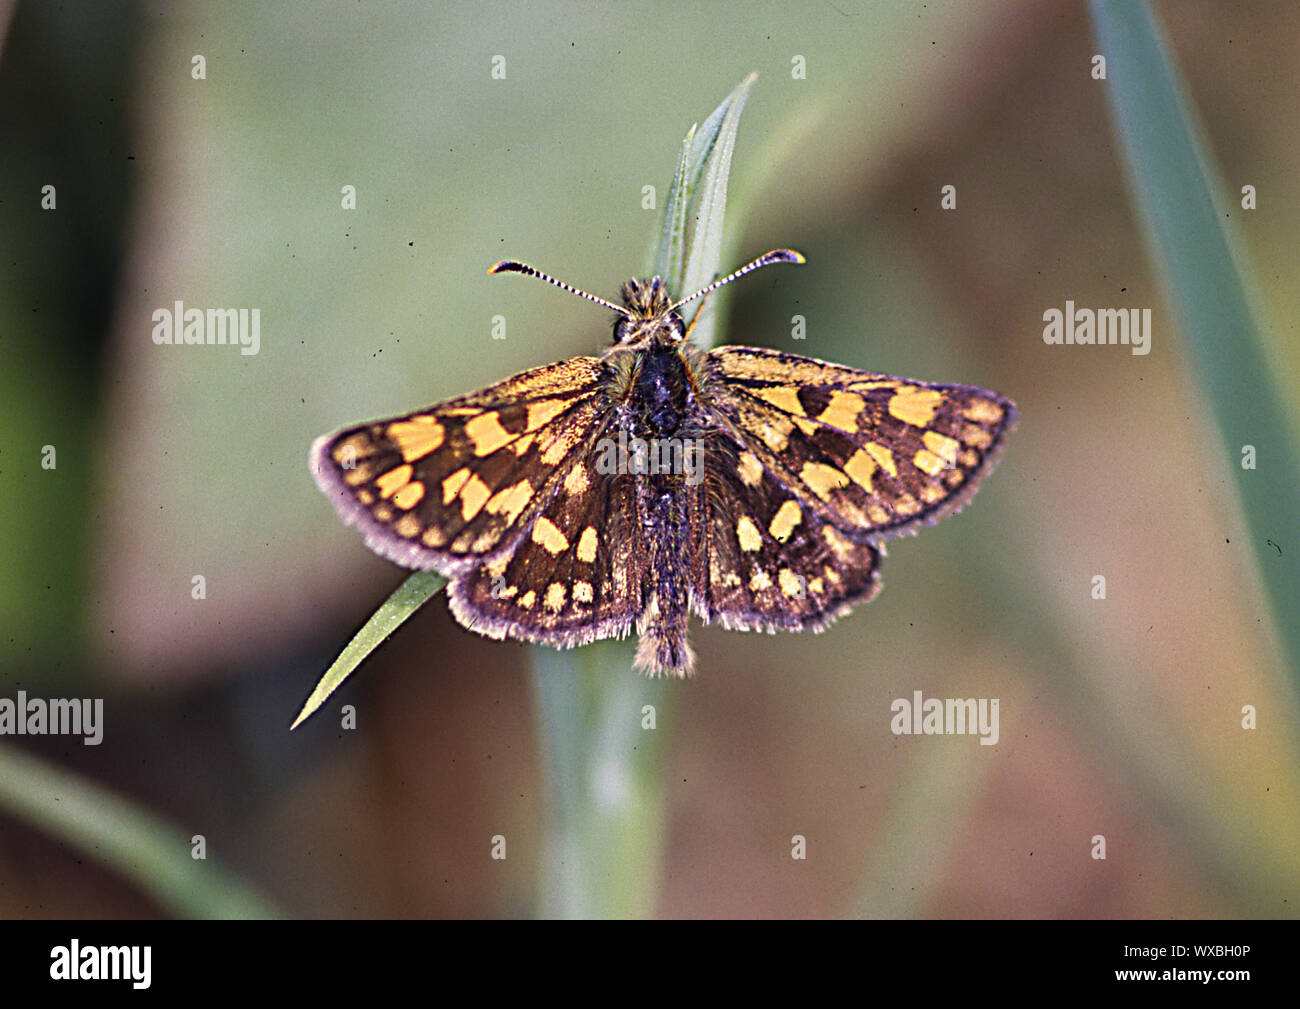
[(621, 327)]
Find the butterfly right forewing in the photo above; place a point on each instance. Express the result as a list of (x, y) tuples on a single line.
[(447, 486)]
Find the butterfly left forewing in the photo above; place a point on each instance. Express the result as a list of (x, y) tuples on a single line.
[(874, 454)]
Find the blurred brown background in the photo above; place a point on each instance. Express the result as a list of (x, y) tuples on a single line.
[(1118, 717)]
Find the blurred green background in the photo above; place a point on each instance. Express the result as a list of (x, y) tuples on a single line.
[(1119, 717)]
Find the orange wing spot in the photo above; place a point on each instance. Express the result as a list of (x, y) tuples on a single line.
[(548, 536), (841, 547), (416, 437), (486, 540), (875, 383), (408, 526), (842, 411), (409, 496), (859, 469), (487, 434), (393, 481), (587, 544), (907, 505), (791, 584), (558, 448), (749, 469), (451, 485), (556, 593), (354, 474), (760, 581), (776, 433), (783, 397), (582, 592), (527, 600), (544, 412), (521, 445), (747, 534), (822, 478), (473, 496), (884, 457), (983, 411), (576, 480), (927, 462), (976, 437), (347, 453), (915, 406), (784, 521), (511, 501), (433, 537), (942, 446)]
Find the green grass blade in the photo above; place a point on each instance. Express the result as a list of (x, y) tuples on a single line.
[(405, 600), (670, 244), (141, 846), (691, 232), (603, 768), (1186, 213)]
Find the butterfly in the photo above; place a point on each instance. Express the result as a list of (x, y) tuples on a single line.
[(603, 495)]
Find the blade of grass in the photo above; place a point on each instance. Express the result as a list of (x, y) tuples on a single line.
[(139, 845), (691, 230), (1185, 212), (405, 600)]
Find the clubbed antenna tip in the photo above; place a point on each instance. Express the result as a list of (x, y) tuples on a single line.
[(766, 259), (514, 266)]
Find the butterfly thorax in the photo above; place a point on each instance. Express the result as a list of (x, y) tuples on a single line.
[(661, 391)]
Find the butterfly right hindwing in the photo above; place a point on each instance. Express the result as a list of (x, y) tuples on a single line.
[(575, 577)]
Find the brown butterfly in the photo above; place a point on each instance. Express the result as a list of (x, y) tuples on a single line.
[(584, 499)]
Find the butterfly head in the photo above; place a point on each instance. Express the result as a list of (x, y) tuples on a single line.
[(651, 316)]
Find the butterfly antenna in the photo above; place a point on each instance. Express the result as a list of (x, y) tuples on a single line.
[(766, 259), (512, 266)]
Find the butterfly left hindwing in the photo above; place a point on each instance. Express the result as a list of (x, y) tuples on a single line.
[(773, 561), (872, 454)]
